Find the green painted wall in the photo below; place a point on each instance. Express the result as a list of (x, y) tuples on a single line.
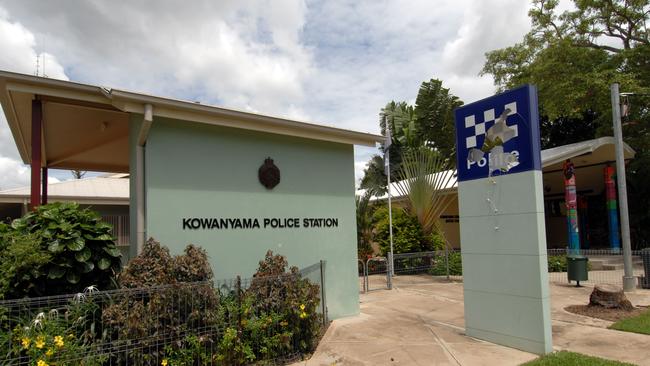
[(197, 170), (135, 121)]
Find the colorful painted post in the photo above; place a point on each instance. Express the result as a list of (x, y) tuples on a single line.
[(583, 220), (612, 209), (571, 199)]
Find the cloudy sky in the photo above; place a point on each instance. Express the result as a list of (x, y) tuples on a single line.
[(333, 62)]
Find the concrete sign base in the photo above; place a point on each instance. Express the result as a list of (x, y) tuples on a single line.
[(505, 274)]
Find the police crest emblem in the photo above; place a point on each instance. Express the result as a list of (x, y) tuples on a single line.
[(269, 174)]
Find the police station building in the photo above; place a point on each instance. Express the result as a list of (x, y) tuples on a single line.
[(234, 183)]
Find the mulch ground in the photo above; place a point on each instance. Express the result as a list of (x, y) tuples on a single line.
[(600, 312)]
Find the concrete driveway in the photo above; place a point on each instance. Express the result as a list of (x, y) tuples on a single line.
[(420, 322)]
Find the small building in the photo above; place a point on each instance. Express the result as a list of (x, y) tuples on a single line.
[(590, 158), (235, 183), (108, 195)]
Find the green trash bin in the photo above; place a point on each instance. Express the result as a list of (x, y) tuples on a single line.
[(577, 268)]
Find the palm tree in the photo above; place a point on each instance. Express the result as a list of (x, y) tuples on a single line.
[(424, 179)]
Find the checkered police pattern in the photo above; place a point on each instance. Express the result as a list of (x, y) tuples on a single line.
[(480, 128)]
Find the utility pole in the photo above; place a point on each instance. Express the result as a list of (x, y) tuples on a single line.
[(629, 282)]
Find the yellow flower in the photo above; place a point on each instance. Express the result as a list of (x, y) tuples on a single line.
[(41, 363), (58, 341), (302, 307), (40, 342), (49, 353), (26, 342), (164, 362), (303, 315), (283, 323)]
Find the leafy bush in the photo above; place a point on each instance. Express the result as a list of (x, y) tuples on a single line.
[(81, 250), (56, 336), (557, 263), (437, 241), (278, 291), (170, 309), (22, 264), (439, 267), (407, 232)]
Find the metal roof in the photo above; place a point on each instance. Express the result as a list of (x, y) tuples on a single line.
[(108, 189), (600, 150)]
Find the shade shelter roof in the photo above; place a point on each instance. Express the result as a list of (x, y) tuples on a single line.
[(584, 154), (110, 189), (86, 127)]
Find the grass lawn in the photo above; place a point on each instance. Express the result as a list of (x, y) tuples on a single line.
[(564, 358), (636, 324)]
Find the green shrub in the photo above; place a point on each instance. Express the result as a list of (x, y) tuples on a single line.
[(61, 336), (22, 264), (81, 249), (276, 291), (437, 241), (439, 267), (557, 263), (407, 232), (171, 308)]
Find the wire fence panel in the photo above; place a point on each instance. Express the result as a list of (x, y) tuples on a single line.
[(605, 266), (377, 274), (269, 320)]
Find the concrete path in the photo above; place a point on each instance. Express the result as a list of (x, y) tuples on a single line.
[(421, 322)]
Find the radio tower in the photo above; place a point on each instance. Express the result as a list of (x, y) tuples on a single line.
[(38, 59)]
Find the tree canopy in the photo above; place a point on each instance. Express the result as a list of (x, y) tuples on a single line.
[(573, 57)]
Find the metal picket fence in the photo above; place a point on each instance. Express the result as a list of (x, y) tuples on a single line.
[(225, 322)]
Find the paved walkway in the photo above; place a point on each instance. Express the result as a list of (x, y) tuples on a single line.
[(421, 322)]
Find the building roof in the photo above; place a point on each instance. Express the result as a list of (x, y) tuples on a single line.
[(584, 153), (110, 189), (86, 127)]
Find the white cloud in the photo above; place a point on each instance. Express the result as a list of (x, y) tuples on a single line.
[(19, 55), (335, 62), (14, 174)]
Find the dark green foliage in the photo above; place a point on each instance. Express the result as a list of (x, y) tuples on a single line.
[(276, 290), (22, 264), (557, 263), (439, 267), (81, 249), (364, 225), (434, 107), (571, 58), (407, 232)]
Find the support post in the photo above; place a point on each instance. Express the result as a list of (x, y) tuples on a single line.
[(629, 282), (571, 200), (37, 123), (44, 194), (612, 209)]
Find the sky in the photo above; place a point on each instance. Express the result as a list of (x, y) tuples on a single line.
[(329, 62)]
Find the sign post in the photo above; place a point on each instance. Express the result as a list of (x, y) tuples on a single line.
[(502, 228)]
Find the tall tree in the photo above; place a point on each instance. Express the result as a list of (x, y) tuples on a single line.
[(434, 107), (573, 57)]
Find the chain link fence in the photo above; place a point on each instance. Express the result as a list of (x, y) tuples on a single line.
[(605, 266), (259, 320), (375, 273)]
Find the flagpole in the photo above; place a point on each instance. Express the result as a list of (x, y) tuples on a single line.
[(390, 211)]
